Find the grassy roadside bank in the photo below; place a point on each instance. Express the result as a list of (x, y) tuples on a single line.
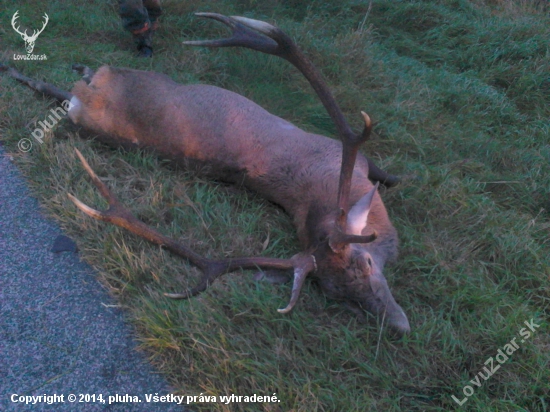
[(460, 93)]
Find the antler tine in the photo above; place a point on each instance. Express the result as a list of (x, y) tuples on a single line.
[(301, 271), (274, 41), (242, 36), (302, 263), (103, 189)]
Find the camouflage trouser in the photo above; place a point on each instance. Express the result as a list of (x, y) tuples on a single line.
[(140, 18)]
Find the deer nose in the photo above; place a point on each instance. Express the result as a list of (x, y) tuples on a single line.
[(398, 324), (384, 306)]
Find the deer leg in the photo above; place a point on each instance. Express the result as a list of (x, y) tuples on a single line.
[(378, 175), (84, 71), (45, 88), (37, 85)]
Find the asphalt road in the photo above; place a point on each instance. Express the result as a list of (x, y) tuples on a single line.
[(59, 331)]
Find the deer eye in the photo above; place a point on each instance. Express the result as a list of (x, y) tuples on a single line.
[(369, 261)]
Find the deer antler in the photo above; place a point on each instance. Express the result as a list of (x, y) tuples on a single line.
[(118, 215), (263, 37)]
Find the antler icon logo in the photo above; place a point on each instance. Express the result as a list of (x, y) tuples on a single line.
[(29, 40)]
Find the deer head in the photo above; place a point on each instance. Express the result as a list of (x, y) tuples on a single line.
[(29, 40)]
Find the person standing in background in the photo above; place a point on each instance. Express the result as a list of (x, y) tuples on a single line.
[(140, 17)]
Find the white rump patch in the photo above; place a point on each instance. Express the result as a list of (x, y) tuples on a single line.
[(75, 106)]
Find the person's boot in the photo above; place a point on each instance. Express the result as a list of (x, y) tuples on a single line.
[(144, 40), (145, 51)]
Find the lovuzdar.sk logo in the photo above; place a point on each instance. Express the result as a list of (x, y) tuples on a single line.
[(29, 39)]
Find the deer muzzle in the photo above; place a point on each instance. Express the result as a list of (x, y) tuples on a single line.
[(381, 303)]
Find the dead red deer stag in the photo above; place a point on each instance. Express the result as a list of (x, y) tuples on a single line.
[(343, 227)]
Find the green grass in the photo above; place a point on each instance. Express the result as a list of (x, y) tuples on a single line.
[(460, 93)]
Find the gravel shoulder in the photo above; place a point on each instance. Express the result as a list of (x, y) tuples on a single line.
[(60, 331)]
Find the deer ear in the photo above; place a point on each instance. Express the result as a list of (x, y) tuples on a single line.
[(359, 213)]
